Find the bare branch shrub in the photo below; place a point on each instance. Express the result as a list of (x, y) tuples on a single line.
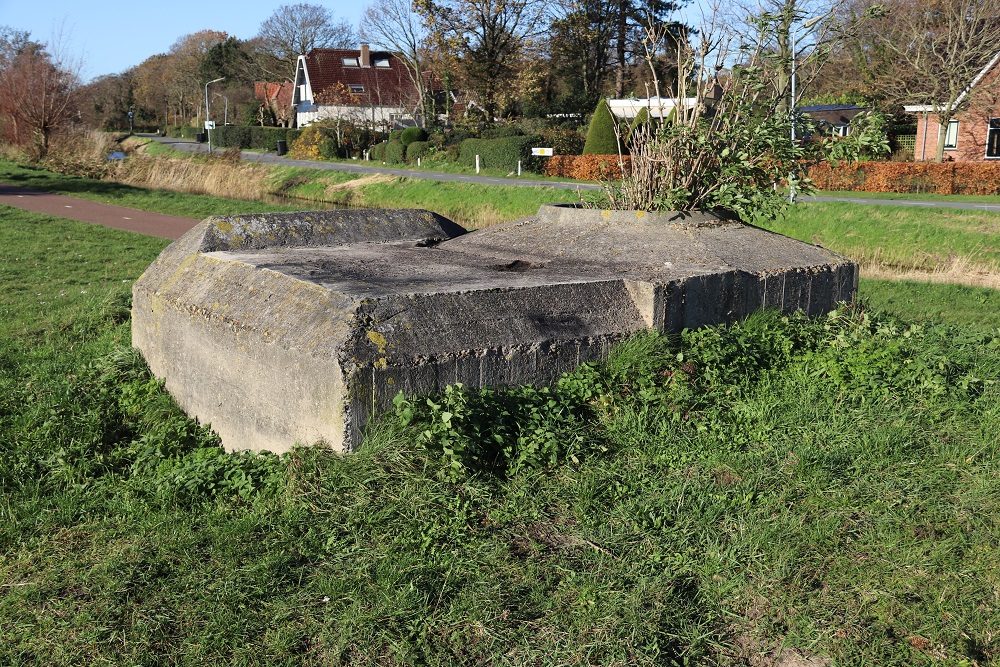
[(720, 140)]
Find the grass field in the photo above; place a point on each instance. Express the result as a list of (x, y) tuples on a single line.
[(778, 489)]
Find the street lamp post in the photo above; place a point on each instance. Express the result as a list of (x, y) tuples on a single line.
[(221, 78)]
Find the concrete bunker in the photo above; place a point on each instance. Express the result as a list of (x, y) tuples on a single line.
[(299, 327)]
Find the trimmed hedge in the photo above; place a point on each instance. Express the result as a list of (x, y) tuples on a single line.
[(234, 136), (377, 151), (184, 132), (502, 132), (395, 152), (586, 167), (412, 134), (944, 178), (417, 149), (267, 138), (601, 134), (500, 154)]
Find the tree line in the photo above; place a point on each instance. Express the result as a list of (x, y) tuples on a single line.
[(510, 58)]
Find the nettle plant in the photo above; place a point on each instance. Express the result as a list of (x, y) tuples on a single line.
[(722, 141)]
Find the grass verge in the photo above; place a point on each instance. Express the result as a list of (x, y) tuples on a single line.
[(898, 238), (822, 488)]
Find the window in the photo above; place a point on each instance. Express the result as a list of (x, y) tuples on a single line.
[(357, 88), (382, 62), (993, 139), (951, 135), (350, 62)]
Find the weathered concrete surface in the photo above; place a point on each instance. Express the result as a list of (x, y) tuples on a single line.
[(299, 327)]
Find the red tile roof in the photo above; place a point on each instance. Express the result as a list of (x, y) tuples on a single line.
[(382, 85)]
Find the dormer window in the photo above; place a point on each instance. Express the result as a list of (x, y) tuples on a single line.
[(350, 62), (357, 88), (382, 62)]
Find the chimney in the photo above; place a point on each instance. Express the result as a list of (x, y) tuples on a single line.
[(366, 58)]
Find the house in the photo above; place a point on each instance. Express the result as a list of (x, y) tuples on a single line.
[(275, 98), (973, 135), (831, 119), (361, 85)]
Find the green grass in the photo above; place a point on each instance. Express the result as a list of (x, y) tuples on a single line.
[(973, 307), (908, 196), (829, 485), (895, 236), (160, 201)]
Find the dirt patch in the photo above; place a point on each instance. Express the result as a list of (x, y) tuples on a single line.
[(957, 271), (373, 179)]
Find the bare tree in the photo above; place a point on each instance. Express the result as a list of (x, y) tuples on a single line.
[(38, 96), (495, 44), (394, 26), (928, 52), (293, 30)]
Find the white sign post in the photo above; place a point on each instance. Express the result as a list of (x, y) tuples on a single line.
[(542, 152), (209, 126)]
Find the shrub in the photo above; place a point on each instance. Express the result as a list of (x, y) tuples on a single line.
[(868, 140), (585, 167), (396, 135), (948, 178), (563, 141), (234, 136), (417, 149), (500, 154), (411, 134), (395, 152), (315, 143), (502, 132), (601, 134), (266, 138), (377, 152)]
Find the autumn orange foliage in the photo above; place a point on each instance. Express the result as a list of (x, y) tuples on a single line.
[(947, 178), (586, 167)]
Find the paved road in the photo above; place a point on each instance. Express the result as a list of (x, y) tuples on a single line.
[(85, 210), (362, 168)]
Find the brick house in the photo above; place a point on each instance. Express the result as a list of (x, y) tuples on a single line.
[(360, 85), (275, 98), (973, 135)]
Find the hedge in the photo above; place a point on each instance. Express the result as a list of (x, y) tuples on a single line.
[(500, 154), (395, 152), (184, 131), (377, 152), (267, 138), (417, 149), (411, 134), (231, 136), (946, 178), (586, 167)]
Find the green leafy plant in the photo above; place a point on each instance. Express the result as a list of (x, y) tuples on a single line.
[(868, 140)]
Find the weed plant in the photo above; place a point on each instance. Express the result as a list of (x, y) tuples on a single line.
[(826, 484)]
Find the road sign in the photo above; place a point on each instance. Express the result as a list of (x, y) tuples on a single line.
[(209, 124), (544, 152)]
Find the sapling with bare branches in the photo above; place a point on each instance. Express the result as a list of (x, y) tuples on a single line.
[(720, 140)]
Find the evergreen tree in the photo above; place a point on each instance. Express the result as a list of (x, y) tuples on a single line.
[(601, 138)]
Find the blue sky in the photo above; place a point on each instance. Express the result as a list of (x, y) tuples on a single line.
[(111, 37)]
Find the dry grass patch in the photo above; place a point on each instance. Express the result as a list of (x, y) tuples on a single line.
[(219, 177)]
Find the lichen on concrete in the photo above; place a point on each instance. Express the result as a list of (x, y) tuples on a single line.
[(300, 327)]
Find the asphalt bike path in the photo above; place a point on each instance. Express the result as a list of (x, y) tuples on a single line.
[(85, 210)]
